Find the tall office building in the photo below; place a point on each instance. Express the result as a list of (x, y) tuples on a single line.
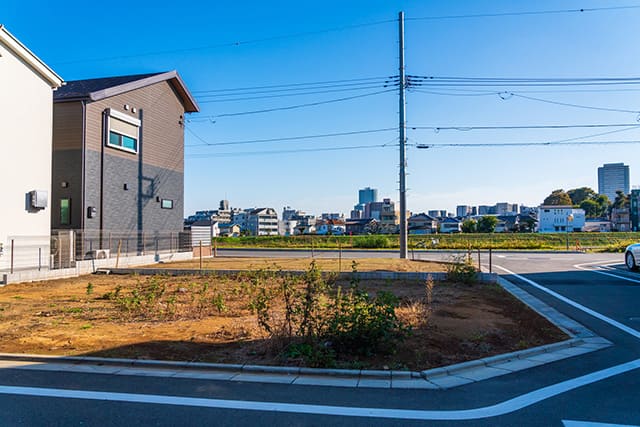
[(366, 195), (613, 177)]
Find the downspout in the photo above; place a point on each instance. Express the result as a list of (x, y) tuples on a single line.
[(84, 166), (105, 135)]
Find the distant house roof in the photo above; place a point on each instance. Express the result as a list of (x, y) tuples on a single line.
[(35, 63), (420, 216), (360, 221), (105, 87)]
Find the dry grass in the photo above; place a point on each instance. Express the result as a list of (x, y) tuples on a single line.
[(325, 264)]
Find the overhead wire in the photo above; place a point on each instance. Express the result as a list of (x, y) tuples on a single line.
[(232, 44), (282, 95), (292, 86), (288, 138), (523, 13), (292, 151), (289, 107), (516, 127)]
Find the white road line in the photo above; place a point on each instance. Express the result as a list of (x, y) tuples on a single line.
[(502, 408), (570, 423), (587, 310), (580, 267)]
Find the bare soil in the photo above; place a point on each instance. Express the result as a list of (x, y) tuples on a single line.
[(325, 264), (205, 318)]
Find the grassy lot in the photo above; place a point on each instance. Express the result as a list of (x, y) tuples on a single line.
[(605, 242), (261, 317)]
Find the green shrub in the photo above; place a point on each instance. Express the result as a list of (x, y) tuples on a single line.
[(461, 270), (375, 241)]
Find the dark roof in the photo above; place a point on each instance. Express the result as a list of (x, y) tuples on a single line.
[(105, 87)]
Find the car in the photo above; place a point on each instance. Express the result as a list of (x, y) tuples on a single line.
[(631, 255)]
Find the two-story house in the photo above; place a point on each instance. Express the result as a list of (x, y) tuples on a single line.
[(118, 159)]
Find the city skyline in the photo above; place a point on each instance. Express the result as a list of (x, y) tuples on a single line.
[(338, 69)]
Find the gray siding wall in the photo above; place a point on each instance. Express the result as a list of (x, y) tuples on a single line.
[(137, 208), (67, 167)]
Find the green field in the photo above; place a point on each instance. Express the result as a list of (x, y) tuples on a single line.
[(602, 242)]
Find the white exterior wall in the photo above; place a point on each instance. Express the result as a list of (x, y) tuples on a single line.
[(26, 109), (553, 219)]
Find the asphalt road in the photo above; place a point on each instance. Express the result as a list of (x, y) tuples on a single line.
[(599, 387)]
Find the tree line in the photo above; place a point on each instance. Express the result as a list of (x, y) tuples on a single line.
[(594, 205)]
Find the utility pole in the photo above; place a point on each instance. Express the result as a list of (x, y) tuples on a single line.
[(403, 140)]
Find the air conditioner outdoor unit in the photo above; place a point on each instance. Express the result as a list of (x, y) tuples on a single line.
[(98, 254)]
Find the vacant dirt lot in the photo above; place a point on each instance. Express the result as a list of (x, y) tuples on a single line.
[(325, 264), (206, 318)]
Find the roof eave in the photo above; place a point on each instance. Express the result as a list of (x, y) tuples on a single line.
[(13, 44), (189, 103)]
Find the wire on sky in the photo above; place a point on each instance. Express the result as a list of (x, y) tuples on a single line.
[(288, 138), (289, 107), (523, 13)]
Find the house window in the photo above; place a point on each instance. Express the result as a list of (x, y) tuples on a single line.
[(166, 204), (123, 131), (65, 211)]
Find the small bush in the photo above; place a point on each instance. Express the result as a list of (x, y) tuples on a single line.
[(461, 270), (372, 242)]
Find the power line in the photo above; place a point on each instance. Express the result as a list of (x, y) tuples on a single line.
[(282, 95), (472, 92), (454, 79), (364, 80), (296, 151), (522, 144), (290, 107), (232, 44), (506, 95), (515, 127), (523, 13), (567, 104), (289, 138)]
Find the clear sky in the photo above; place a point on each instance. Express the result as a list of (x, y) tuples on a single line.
[(284, 43)]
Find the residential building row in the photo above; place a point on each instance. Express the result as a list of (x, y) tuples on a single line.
[(88, 159)]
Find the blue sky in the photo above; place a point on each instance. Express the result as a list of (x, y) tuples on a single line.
[(84, 40)]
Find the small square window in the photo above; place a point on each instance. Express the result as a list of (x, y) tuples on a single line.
[(166, 204)]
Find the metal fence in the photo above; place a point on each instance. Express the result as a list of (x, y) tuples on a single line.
[(25, 253), (65, 247)]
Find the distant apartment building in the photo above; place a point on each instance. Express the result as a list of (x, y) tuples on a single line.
[(557, 218), (295, 222), (505, 208), (261, 221), (332, 215), (621, 219), (437, 213), (221, 215), (463, 211), (613, 177), (487, 210)]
